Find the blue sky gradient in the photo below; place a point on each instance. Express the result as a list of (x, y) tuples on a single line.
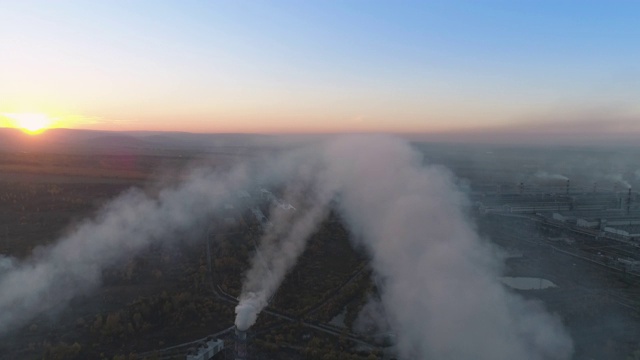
[(320, 66)]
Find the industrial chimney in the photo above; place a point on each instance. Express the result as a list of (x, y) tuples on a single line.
[(568, 186), (241, 345)]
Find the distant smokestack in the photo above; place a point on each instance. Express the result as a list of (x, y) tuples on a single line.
[(521, 187), (241, 345), (629, 201), (568, 186)]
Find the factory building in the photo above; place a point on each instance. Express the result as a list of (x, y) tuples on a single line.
[(523, 202)]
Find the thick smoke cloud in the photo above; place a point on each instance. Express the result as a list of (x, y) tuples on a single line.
[(440, 281), (126, 226), (441, 291)]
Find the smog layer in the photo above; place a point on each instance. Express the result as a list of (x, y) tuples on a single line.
[(439, 279)]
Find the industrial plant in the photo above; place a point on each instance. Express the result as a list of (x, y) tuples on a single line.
[(576, 220), (588, 224)]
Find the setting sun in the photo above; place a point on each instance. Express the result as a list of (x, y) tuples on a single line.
[(31, 123)]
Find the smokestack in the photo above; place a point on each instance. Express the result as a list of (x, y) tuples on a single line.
[(240, 352), (568, 186), (629, 201)]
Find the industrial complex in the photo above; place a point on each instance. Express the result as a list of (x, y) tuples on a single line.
[(588, 224), (574, 220)]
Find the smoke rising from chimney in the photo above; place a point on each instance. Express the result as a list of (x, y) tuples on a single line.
[(545, 176), (286, 237), (618, 179), (279, 249)]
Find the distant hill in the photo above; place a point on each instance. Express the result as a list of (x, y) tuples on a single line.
[(114, 142), (10, 138), (58, 140), (71, 140)]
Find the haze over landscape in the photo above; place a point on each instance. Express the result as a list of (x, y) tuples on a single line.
[(360, 180)]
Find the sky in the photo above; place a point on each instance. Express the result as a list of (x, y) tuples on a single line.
[(323, 66)]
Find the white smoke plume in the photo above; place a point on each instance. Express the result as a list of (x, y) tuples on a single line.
[(618, 180), (545, 176), (279, 249), (441, 291), (74, 264)]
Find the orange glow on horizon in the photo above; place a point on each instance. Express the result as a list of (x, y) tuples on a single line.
[(30, 123), (33, 123)]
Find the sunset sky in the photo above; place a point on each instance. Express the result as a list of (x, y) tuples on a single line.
[(322, 66)]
